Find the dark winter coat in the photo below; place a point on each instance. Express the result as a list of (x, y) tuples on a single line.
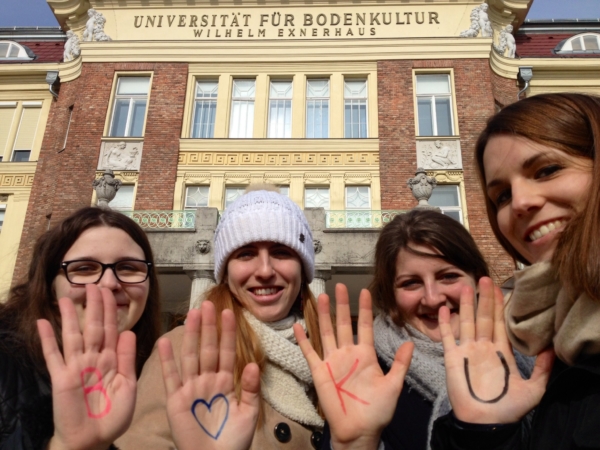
[(26, 420), (567, 418)]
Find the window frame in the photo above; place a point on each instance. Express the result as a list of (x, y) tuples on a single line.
[(232, 101), (451, 96), (287, 131), (568, 43), (459, 208), (22, 53), (113, 102), (3, 214), (195, 100), (308, 100), (133, 195), (328, 188), (227, 188), (366, 103), (185, 199)]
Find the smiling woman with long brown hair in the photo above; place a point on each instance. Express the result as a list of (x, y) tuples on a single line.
[(538, 163), (264, 260)]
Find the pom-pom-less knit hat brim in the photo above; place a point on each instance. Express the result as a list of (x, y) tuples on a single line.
[(263, 216)]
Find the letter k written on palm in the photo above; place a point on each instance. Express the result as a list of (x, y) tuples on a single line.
[(340, 390)]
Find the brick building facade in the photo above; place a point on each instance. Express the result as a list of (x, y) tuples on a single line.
[(338, 114)]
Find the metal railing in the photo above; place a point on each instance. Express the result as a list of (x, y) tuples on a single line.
[(359, 219), (164, 219)]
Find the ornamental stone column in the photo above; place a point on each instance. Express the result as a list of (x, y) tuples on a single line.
[(202, 281), (317, 286)]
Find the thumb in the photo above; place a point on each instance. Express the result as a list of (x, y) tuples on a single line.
[(401, 364)]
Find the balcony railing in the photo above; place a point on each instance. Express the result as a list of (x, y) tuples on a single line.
[(164, 219), (359, 219)]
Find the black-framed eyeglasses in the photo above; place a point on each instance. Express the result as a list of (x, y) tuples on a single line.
[(88, 271)]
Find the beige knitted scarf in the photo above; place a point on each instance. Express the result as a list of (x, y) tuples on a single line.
[(541, 313), (286, 380)]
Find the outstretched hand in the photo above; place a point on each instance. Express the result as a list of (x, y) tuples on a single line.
[(94, 383), (357, 398), (202, 406), (484, 384)]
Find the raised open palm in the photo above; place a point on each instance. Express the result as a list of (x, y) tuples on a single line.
[(357, 398), (94, 383), (202, 406), (484, 384)]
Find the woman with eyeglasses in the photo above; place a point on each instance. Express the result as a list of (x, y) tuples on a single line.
[(68, 334)]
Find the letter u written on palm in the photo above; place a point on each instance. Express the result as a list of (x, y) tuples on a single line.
[(202, 406), (484, 384), (357, 398), (94, 382)]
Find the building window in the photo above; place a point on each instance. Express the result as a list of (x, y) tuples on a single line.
[(21, 155), (434, 105), (355, 108), (447, 198), (242, 109), (589, 42), (123, 201), (284, 190), (12, 50), (196, 197), (317, 109), (205, 109), (280, 109), (26, 132), (232, 194), (358, 197), (2, 214), (129, 111), (316, 198)]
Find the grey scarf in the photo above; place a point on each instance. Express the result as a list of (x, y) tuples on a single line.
[(427, 374)]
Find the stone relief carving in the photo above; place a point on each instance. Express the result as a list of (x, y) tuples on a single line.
[(422, 186), (435, 155), (203, 246), (480, 23), (94, 27), (120, 155), (106, 188), (72, 49), (506, 43), (317, 246)]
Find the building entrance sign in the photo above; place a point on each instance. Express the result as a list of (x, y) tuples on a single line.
[(290, 23)]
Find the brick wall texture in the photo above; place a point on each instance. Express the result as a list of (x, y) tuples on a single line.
[(63, 178), (475, 102)]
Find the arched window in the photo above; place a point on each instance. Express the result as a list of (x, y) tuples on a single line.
[(586, 42), (12, 50)]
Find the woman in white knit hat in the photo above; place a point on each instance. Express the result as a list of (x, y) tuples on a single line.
[(264, 261)]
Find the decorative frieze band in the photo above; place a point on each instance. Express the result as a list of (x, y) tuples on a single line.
[(277, 159), (16, 180)]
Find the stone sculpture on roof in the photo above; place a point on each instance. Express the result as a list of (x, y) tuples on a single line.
[(480, 23), (72, 49), (94, 27)]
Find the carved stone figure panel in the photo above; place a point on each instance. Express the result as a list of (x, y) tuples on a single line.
[(480, 23), (94, 27), (506, 42), (124, 155), (72, 49), (440, 154)]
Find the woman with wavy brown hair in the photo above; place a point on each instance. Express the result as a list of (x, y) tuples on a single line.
[(43, 398), (538, 163), (264, 260)]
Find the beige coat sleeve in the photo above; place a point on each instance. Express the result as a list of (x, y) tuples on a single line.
[(150, 429)]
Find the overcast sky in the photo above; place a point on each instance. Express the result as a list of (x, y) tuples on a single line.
[(23, 13)]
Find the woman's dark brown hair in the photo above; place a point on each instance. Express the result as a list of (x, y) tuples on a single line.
[(423, 228), (35, 298), (569, 123)]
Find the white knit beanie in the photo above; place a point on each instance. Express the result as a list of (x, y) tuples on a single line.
[(263, 216)]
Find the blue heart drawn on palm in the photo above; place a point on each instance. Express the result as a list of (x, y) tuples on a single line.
[(209, 406)]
